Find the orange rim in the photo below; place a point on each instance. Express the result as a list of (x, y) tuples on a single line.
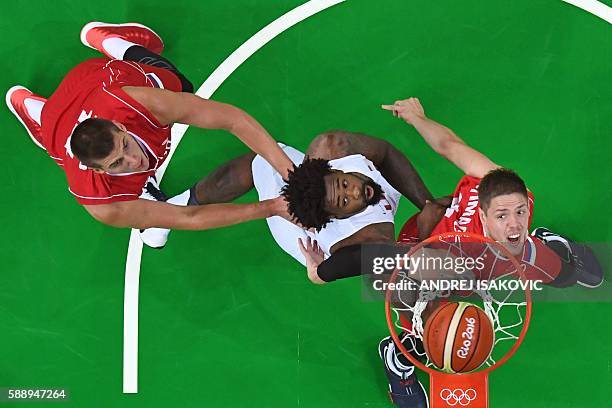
[(519, 341)]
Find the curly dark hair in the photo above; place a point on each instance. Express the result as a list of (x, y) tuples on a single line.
[(305, 193)]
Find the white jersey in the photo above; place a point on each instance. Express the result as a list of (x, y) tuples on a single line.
[(269, 183)]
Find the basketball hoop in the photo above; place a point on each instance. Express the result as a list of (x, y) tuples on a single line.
[(508, 308)]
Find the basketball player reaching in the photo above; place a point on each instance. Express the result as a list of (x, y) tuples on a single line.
[(490, 201), (108, 127), (345, 191)]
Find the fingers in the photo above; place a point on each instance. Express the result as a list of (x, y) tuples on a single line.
[(310, 246), (401, 102), (301, 246)]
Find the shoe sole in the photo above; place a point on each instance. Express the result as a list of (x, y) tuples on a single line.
[(10, 106), (590, 286), (379, 351), (95, 24)]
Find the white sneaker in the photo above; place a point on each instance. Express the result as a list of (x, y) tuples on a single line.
[(154, 237)]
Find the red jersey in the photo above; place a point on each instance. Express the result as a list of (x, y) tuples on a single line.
[(93, 89), (460, 216), (539, 261)]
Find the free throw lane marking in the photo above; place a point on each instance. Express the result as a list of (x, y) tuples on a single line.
[(594, 7)]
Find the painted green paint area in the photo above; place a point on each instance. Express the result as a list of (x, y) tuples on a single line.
[(226, 318)]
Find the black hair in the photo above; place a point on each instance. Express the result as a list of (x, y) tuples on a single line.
[(92, 140), (305, 193), (498, 182)]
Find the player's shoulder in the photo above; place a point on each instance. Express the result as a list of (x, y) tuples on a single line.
[(470, 181)]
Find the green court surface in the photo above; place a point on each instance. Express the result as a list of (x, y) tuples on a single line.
[(226, 318)]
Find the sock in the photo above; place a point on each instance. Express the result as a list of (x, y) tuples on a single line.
[(34, 108), (181, 199), (143, 56), (116, 47), (192, 197)]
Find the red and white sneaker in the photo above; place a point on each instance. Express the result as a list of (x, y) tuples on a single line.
[(92, 35), (27, 107)]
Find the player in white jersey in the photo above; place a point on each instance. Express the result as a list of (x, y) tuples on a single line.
[(345, 191)]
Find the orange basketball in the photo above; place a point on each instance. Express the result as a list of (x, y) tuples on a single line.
[(458, 337)]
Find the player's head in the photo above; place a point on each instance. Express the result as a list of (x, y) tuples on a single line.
[(504, 208), (105, 146), (316, 193)]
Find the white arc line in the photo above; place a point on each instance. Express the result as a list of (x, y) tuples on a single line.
[(132, 264), (594, 7)]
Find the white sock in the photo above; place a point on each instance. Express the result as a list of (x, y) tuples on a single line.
[(34, 108), (180, 199), (116, 47)]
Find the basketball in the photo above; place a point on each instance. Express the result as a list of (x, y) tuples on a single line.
[(458, 337)]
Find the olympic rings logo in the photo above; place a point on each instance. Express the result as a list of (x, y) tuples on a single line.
[(458, 396)]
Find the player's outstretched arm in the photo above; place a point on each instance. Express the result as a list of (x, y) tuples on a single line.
[(442, 139), (180, 107), (143, 214), (393, 164)]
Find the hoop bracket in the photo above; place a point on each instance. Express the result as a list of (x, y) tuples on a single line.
[(469, 390)]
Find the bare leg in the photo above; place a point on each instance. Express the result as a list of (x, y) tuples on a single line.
[(227, 182)]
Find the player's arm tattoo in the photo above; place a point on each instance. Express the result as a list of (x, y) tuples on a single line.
[(393, 164)]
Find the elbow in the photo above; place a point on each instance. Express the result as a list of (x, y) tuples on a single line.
[(331, 141), (237, 120), (105, 214), (445, 147)]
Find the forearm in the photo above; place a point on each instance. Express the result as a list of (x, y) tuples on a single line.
[(252, 134), (180, 107), (438, 136), (313, 275), (141, 214), (401, 174), (220, 215)]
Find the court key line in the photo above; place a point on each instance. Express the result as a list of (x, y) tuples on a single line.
[(594, 7), (214, 81)]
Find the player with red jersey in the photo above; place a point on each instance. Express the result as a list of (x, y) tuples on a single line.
[(490, 201), (108, 126)]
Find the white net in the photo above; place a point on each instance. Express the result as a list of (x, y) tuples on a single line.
[(466, 270)]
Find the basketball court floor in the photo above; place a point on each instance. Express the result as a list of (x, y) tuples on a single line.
[(226, 319)]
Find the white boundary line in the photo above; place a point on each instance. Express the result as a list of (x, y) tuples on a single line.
[(214, 81), (594, 7)]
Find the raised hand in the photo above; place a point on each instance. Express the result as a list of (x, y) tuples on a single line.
[(409, 109)]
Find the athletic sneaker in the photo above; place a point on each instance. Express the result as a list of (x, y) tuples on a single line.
[(94, 33), (154, 237), (589, 270), (405, 390), (27, 107)]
